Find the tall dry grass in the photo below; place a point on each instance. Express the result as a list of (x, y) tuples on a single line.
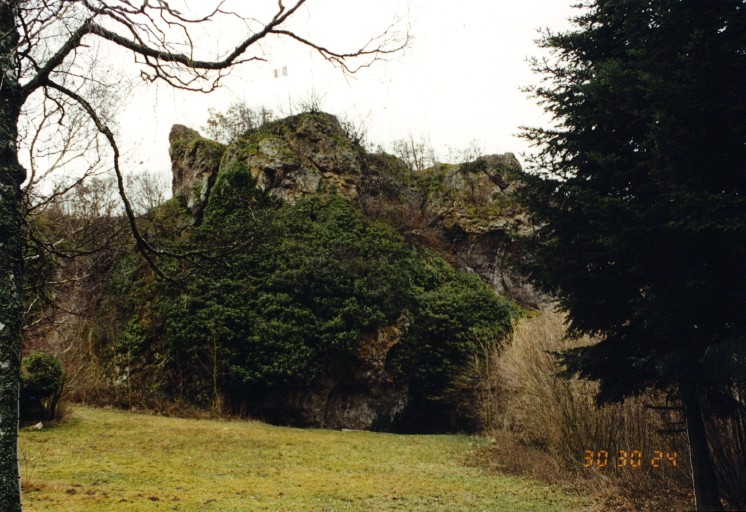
[(523, 399), (727, 437)]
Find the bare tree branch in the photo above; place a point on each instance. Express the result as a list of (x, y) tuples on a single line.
[(340, 59), (142, 245)]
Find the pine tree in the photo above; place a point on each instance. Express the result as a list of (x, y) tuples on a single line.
[(639, 190)]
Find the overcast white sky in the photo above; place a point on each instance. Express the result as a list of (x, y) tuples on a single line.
[(458, 81)]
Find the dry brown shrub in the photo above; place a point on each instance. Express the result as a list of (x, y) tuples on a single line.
[(552, 421), (727, 437)]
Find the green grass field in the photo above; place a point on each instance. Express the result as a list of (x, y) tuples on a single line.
[(104, 460)]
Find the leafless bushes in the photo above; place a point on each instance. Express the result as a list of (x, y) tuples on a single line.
[(74, 237), (417, 154), (237, 120), (727, 438), (525, 403)]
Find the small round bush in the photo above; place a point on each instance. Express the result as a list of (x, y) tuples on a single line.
[(42, 378)]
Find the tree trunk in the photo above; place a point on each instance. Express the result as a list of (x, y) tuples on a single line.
[(705, 484), (11, 312), (11, 262)]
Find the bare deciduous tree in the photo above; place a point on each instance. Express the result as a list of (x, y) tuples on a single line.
[(47, 57), (417, 154), (238, 119)]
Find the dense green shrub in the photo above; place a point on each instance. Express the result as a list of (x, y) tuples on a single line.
[(282, 296), (316, 278), (454, 315), (42, 379)]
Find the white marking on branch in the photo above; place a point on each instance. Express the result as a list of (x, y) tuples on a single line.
[(4, 365)]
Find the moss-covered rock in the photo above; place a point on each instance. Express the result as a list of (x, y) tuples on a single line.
[(466, 212), (473, 218), (298, 156), (195, 162)]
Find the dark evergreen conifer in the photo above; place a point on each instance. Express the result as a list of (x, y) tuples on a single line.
[(640, 192)]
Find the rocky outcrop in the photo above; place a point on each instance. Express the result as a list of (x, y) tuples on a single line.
[(300, 155), (476, 217), (370, 398), (195, 162), (467, 212), (464, 211)]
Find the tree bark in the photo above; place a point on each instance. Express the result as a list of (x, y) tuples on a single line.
[(11, 262), (706, 495), (11, 312)]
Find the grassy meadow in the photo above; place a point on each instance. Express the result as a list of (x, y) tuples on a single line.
[(103, 460)]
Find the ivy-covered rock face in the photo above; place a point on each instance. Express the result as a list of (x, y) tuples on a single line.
[(323, 292), (465, 212)]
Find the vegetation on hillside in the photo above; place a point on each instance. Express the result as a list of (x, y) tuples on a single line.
[(279, 297), (268, 308), (277, 303)]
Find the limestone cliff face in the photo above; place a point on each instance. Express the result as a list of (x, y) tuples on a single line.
[(300, 155), (195, 162), (464, 211), (475, 217)]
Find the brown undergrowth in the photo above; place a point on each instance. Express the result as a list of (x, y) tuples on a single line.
[(550, 428), (506, 455)]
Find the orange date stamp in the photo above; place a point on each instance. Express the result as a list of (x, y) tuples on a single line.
[(629, 458)]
